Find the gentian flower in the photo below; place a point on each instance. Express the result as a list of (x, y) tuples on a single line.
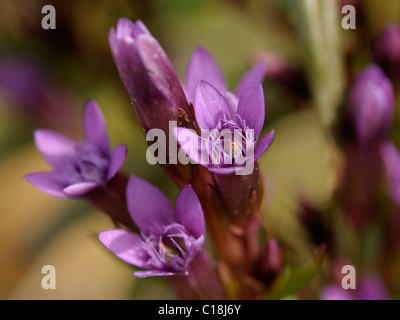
[(370, 287), (238, 193), (203, 67), (214, 116), (78, 166), (371, 105), (170, 238)]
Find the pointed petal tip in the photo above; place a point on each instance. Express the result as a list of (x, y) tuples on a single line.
[(148, 206), (117, 159), (80, 189), (46, 182), (94, 126), (264, 144)]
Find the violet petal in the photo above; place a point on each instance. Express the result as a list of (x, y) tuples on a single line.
[(264, 144), (94, 127), (203, 66), (251, 108), (209, 106), (117, 159), (154, 273), (228, 170), (336, 292), (189, 142), (47, 182), (160, 69), (124, 244), (252, 78), (55, 147), (80, 189), (232, 102), (189, 212), (149, 208)]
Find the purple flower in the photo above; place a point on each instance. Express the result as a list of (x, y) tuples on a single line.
[(148, 76), (371, 105), (78, 166), (386, 49), (28, 88), (203, 67), (370, 287), (391, 160), (170, 238), (242, 122)]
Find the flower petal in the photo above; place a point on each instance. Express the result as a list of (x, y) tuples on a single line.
[(129, 31), (55, 147), (371, 287), (190, 143), (117, 159), (125, 245), (232, 101), (48, 182), (335, 292), (209, 106), (154, 273), (264, 144), (195, 247), (252, 78), (94, 127), (251, 108), (189, 212), (150, 209), (202, 66), (160, 70), (228, 170), (80, 189)]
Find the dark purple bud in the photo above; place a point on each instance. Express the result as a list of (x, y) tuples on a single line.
[(153, 86), (386, 50), (269, 263), (312, 219), (371, 105), (281, 72), (358, 188), (147, 74)]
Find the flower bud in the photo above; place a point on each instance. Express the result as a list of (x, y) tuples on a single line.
[(270, 262), (152, 84), (386, 50), (371, 106)]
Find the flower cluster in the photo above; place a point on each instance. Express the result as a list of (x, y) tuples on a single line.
[(211, 244), (158, 238)]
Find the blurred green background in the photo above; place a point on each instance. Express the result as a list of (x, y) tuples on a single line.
[(75, 63)]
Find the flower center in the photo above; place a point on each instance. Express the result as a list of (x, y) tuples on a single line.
[(169, 251), (231, 142), (87, 165)]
